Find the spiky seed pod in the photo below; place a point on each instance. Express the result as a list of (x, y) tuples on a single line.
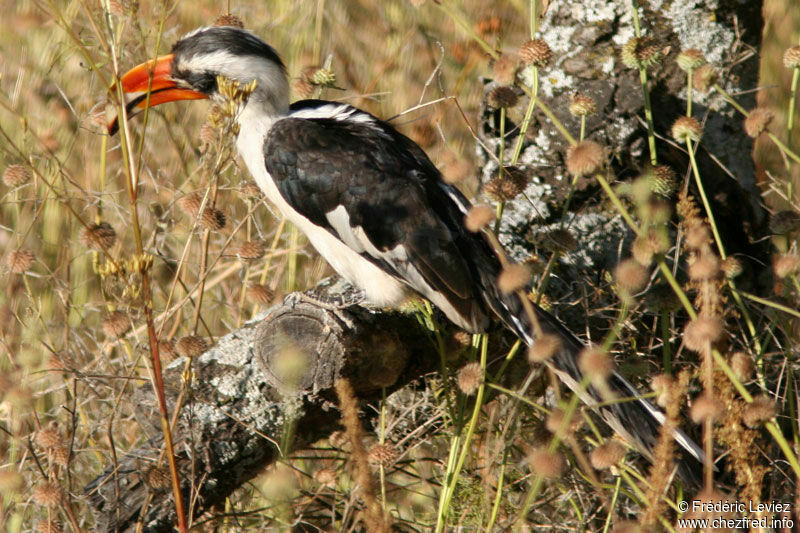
[(535, 52), (558, 240), (544, 347), (641, 52), (642, 251), (11, 481), (687, 128), (50, 525), (382, 455), (545, 463), (250, 250), (323, 77), (191, 346), (558, 417), (698, 237), (49, 437), (229, 20), (585, 157), (630, 276), (662, 386), (784, 222), (20, 260), (690, 59), (259, 294), (190, 204), (705, 268), (595, 363), (513, 278), (701, 331), (502, 97), (607, 455), (742, 366), (706, 408), (116, 325), (760, 410), (157, 478), (507, 185), (731, 267), (787, 265), (757, 121), (326, 477), (16, 175), (504, 70), (61, 455), (213, 219), (704, 78), (664, 180), (98, 236), (47, 494), (478, 217), (469, 378), (791, 57), (582, 105)]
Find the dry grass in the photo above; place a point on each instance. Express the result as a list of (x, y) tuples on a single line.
[(76, 336)]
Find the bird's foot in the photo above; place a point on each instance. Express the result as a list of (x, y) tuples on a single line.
[(331, 293)]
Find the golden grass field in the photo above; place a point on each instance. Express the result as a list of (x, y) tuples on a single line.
[(74, 329)]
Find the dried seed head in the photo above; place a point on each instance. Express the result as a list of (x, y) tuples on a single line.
[(47, 494), (582, 105), (382, 455), (761, 409), (742, 366), (787, 265), (706, 408), (470, 378), (190, 204), (595, 363), (513, 278), (691, 59), (208, 135), (641, 52), (558, 240), (507, 184), (757, 121), (51, 525), (16, 175), (98, 236), (339, 439), (323, 77), (698, 237), (630, 276), (229, 20), (157, 478), (212, 219), (259, 294), (20, 260), (326, 477), (731, 267), (544, 347), (584, 158), (687, 128), (664, 181), (662, 385), (558, 417), (166, 350), (503, 97), (191, 346), (478, 217), (705, 268), (250, 250), (784, 222), (49, 437), (61, 455), (535, 52), (504, 70), (545, 463), (791, 57), (702, 331), (704, 78), (116, 325), (607, 455)]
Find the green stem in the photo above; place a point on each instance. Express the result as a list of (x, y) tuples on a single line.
[(706, 204)]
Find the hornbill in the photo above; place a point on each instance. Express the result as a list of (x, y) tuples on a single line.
[(374, 206)]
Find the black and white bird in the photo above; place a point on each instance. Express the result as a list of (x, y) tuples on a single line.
[(371, 203)]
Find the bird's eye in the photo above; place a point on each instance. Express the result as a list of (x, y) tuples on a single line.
[(204, 82)]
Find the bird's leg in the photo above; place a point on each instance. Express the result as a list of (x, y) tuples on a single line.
[(331, 293)]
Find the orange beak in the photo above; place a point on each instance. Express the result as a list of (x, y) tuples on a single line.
[(155, 75)]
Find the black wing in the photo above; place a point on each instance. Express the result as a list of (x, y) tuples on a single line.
[(378, 192)]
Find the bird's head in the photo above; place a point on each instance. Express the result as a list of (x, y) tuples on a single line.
[(191, 69)]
